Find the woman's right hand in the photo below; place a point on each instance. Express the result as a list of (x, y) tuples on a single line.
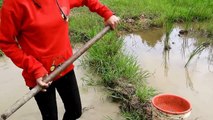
[(112, 21), (43, 84)]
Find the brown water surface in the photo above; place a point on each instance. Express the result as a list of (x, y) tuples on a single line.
[(95, 104), (168, 74)]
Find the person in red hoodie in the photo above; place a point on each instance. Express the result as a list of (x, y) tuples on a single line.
[(34, 35)]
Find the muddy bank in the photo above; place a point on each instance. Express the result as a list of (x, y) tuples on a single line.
[(95, 104), (168, 74)]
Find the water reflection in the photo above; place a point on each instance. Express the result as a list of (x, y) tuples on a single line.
[(151, 37), (166, 60), (169, 74), (189, 82), (210, 58)]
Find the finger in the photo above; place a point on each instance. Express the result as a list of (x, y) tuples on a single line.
[(117, 21), (49, 83), (113, 25), (43, 84), (44, 90)]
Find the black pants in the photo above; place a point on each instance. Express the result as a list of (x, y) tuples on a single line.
[(68, 90)]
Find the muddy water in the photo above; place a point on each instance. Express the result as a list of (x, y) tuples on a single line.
[(94, 99), (168, 74)]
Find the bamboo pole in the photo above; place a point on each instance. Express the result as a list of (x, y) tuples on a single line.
[(19, 103)]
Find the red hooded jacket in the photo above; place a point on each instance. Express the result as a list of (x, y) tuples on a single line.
[(35, 36)]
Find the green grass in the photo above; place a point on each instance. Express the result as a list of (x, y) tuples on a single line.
[(160, 12), (106, 57), (144, 93), (1, 53), (125, 8), (84, 24), (1, 2), (132, 116), (108, 61)]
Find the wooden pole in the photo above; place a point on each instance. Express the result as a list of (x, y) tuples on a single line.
[(50, 77)]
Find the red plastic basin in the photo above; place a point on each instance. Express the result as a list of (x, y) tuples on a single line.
[(171, 104)]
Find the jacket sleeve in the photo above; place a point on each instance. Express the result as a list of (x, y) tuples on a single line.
[(94, 6), (10, 24)]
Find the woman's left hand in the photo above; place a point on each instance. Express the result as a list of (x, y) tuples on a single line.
[(112, 21)]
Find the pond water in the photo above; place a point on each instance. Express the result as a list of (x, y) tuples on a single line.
[(96, 105), (168, 74)]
